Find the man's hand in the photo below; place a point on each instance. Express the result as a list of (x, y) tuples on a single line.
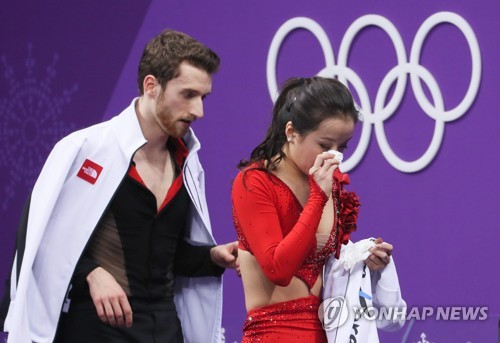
[(109, 298), (226, 255), (380, 255)]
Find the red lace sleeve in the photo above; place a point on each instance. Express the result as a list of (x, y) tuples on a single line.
[(256, 218)]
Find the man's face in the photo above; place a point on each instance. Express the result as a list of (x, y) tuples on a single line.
[(181, 103)]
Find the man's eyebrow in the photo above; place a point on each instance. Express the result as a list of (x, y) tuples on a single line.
[(191, 90)]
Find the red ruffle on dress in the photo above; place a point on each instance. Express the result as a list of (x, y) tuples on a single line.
[(272, 225)]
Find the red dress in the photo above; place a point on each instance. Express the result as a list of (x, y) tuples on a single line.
[(272, 225)]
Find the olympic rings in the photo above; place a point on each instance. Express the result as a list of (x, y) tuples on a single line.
[(385, 109)]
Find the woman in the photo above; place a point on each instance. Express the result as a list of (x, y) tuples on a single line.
[(291, 211)]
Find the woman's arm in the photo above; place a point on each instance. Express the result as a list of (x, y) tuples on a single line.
[(256, 216)]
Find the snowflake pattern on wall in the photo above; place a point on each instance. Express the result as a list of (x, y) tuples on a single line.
[(30, 124)]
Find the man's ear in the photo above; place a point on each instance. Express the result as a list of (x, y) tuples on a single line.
[(150, 84)]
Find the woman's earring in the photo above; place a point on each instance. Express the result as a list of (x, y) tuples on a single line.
[(290, 139)]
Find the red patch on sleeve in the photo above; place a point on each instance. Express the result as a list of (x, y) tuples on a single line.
[(89, 171)]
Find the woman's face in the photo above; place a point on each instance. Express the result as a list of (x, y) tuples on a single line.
[(332, 134)]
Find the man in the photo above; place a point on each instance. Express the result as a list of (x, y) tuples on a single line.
[(118, 214)]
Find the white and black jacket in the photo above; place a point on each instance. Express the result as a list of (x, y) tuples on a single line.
[(357, 302), (63, 212)]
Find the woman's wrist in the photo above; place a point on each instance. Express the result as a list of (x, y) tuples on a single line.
[(316, 193)]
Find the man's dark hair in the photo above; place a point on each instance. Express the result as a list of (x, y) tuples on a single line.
[(165, 52)]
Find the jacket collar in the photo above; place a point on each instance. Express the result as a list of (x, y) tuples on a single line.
[(128, 131), (191, 141)]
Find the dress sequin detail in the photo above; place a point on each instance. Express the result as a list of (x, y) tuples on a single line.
[(272, 225), (313, 264), (289, 321)]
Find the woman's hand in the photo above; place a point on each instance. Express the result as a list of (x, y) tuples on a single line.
[(380, 255), (322, 171)]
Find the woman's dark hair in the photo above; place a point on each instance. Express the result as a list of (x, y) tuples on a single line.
[(306, 102)]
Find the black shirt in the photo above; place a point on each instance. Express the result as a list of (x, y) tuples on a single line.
[(142, 248)]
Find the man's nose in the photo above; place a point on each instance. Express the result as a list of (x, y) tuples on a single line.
[(197, 108)]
